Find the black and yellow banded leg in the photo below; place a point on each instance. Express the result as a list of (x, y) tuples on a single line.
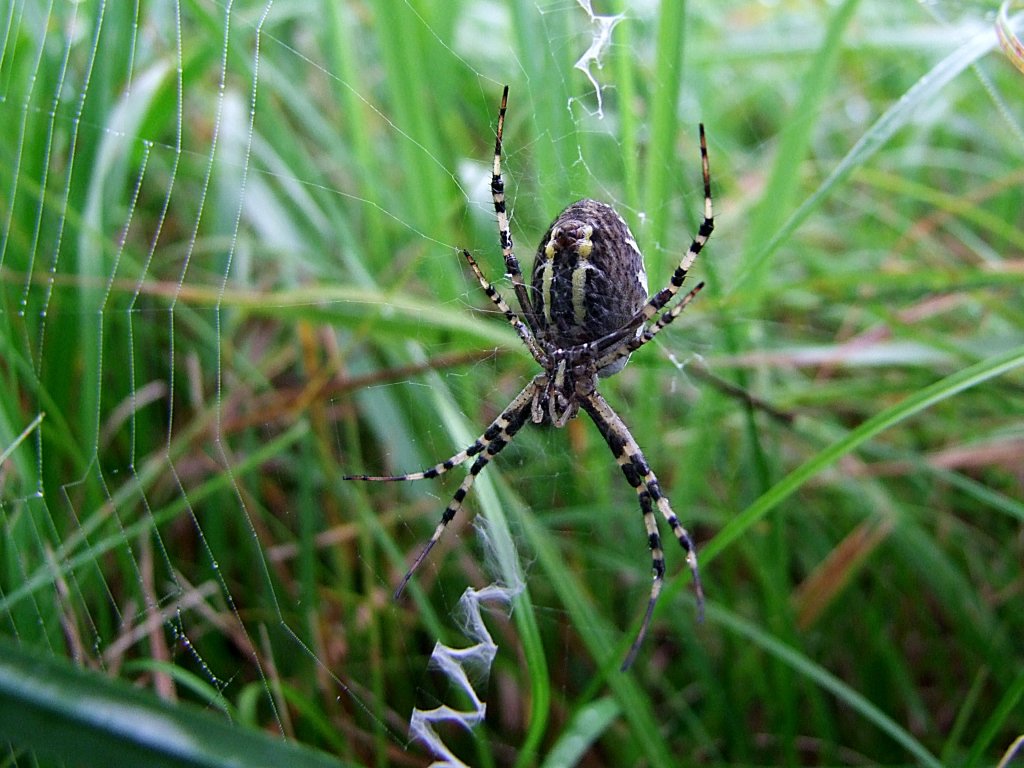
[(490, 434), (499, 301), (707, 226), (657, 569), (640, 476), (497, 436), (504, 232)]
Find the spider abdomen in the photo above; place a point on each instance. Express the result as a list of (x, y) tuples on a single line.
[(588, 275)]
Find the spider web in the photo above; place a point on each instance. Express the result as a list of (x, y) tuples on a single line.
[(197, 267), (150, 262)]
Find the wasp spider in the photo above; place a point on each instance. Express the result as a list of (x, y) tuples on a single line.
[(585, 311)]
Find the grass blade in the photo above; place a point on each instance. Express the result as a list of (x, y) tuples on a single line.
[(920, 401), (51, 707)]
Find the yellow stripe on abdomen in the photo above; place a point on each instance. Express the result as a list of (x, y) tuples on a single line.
[(579, 292), (547, 276)]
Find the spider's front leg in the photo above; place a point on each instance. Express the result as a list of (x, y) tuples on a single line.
[(639, 475), (498, 435)]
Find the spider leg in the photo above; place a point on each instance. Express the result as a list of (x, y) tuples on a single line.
[(622, 348), (504, 233), (520, 327), (498, 435), (438, 469), (489, 435), (639, 475), (657, 568), (664, 296)]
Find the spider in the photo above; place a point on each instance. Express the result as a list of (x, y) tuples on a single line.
[(584, 313)]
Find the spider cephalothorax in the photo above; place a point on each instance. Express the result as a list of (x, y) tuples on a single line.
[(585, 311)]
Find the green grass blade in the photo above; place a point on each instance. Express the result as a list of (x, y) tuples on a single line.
[(927, 88), (586, 726), (826, 680), (795, 141), (54, 708), (597, 634), (1003, 714), (920, 401), (664, 122), (6, 452)]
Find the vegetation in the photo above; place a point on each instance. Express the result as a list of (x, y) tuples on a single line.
[(229, 276)]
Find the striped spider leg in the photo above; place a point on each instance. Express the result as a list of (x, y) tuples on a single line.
[(484, 448), (640, 475), (585, 311), (504, 233)]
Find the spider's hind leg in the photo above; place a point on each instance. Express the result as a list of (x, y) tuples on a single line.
[(501, 213), (525, 334), (707, 226)]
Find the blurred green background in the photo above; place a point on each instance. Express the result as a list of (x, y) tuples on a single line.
[(229, 275)]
